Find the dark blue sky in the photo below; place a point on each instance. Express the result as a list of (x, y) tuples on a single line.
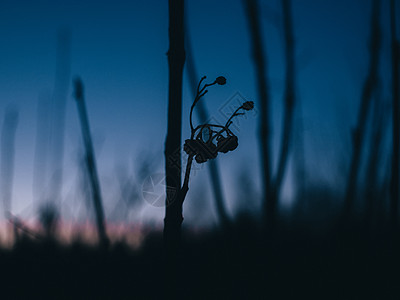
[(119, 50)]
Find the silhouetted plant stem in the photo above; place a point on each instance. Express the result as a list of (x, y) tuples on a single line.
[(185, 186), (91, 162), (359, 131), (203, 116), (395, 182), (206, 141), (173, 206), (289, 100), (253, 18), (176, 60)]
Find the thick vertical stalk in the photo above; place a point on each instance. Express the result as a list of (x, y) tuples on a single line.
[(289, 100), (203, 117), (366, 96), (91, 162), (176, 59), (253, 18), (173, 210), (394, 203)]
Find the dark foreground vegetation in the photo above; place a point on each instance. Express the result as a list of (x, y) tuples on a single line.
[(297, 261)]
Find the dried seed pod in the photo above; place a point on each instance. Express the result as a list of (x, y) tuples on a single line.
[(207, 150), (200, 159), (191, 147), (227, 144)]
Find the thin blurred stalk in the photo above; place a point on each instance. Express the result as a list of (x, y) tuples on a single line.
[(40, 168), (395, 118), (384, 193), (253, 18), (379, 126), (287, 121), (173, 205), (203, 116), (60, 94), (300, 161), (9, 129), (91, 162), (367, 92)]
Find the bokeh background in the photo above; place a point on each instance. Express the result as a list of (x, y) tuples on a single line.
[(119, 48)]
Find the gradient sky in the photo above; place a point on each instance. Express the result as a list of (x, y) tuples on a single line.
[(119, 48)]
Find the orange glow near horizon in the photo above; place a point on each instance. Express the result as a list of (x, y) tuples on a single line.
[(67, 232)]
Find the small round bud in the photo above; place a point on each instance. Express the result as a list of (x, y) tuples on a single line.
[(248, 105), (221, 80)]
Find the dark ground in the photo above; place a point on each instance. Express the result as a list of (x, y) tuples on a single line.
[(338, 262)]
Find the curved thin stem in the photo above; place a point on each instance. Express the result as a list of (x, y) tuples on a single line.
[(207, 85), (200, 93), (198, 96), (223, 128), (234, 115), (201, 80)]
